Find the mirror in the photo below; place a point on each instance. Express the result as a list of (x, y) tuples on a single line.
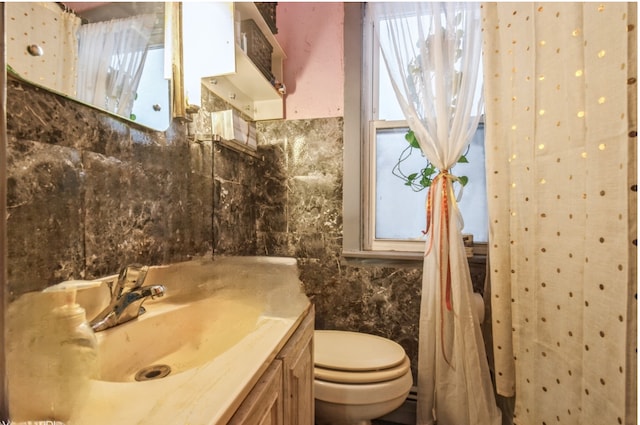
[(108, 55)]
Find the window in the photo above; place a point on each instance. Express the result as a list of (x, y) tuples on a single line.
[(383, 217)]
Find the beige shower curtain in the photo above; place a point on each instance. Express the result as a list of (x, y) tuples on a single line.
[(54, 30), (560, 84)]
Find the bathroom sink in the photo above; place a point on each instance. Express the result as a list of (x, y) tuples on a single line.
[(199, 349), (171, 338)]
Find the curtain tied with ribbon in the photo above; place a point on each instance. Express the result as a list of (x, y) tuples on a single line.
[(442, 181), (432, 54)]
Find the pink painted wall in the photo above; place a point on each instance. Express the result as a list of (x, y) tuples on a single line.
[(311, 35)]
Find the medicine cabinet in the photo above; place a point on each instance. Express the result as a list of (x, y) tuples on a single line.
[(219, 53)]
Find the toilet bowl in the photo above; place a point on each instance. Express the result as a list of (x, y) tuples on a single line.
[(358, 377), (478, 306)]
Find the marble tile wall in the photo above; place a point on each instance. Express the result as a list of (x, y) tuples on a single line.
[(236, 183), (89, 192)]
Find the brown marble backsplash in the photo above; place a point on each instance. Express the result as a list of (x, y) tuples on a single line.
[(89, 193)]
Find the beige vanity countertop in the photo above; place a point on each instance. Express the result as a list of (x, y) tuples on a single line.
[(209, 394), (206, 395)]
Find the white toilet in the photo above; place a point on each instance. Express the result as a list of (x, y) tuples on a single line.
[(358, 377)]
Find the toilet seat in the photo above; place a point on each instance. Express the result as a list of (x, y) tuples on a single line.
[(377, 392), (349, 377), (358, 377), (355, 352)]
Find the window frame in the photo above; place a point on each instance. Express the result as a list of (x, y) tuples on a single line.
[(353, 167), (355, 191), (370, 242)]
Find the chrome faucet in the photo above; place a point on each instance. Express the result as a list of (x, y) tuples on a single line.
[(127, 296)]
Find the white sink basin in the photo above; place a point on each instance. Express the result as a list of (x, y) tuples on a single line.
[(173, 338)]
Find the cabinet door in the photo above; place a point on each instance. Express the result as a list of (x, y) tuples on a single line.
[(297, 358), (208, 44), (263, 405)]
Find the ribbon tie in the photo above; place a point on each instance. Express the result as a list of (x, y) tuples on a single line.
[(443, 181)]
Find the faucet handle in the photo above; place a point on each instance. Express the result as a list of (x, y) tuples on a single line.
[(131, 277)]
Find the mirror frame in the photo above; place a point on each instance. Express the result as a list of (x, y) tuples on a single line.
[(173, 10)]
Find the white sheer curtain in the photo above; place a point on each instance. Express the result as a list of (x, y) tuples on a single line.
[(432, 52), (110, 61)]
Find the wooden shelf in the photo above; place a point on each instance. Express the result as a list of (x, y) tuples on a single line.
[(250, 11), (247, 89)]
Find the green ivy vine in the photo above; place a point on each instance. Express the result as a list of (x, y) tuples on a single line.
[(423, 178)]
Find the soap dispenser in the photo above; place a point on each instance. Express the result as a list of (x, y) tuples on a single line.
[(76, 346), (54, 361)]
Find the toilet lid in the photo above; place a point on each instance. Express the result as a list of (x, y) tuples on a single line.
[(367, 377), (354, 351)]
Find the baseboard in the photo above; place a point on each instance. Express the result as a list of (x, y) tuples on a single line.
[(405, 414)]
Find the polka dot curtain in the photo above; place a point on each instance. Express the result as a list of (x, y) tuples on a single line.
[(51, 28), (560, 93)]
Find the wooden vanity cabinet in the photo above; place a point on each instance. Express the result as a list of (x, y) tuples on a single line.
[(297, 360), (264, 404), (284, 393)]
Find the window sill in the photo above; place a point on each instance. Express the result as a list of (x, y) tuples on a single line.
[(401, 258)]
